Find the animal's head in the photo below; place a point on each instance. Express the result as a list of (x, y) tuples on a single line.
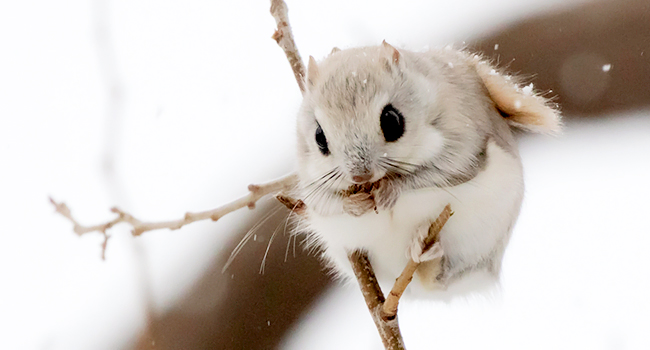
[(377, 112)]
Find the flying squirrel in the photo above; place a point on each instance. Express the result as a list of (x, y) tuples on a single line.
[(387, 138)]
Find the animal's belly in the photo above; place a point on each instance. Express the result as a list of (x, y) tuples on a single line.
[(385, 235), (485, 209)]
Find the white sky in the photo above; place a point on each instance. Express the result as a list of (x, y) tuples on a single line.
[(205, 88), (576, 272)]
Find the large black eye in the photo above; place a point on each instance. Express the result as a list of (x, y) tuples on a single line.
[(321, 141), (392, 123)]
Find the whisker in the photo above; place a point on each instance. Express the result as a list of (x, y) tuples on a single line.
[(332, 184), (388, 162), (322, 177), (331, 174), (323, 190), (286, 252), (247, 238), (400, 162), (449, 193), (268, 246), (286, 224), (395, 167)]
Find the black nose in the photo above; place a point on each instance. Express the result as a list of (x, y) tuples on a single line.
[(361, 178)]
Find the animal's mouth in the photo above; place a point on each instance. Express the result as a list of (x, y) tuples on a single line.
[(366, 188), (359, 199)]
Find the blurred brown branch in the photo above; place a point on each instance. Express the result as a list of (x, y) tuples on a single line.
[(567, 50), (619, 31)]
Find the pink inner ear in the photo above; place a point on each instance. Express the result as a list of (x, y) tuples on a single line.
[(522, 109), (312, 71), (395, 53)]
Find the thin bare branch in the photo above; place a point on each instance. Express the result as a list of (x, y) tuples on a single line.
[(139, 227), (389, 309), (388, 329), (284, 37)]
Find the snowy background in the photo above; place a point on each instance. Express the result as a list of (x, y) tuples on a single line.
[(205, 104)]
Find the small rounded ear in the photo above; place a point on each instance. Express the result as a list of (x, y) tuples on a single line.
[(390, 52), (334, 50), (521, 107), (312, 72)]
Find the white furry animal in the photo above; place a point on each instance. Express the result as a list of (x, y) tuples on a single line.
[(425, 129)]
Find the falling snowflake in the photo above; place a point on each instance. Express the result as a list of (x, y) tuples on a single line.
[(528, 89)]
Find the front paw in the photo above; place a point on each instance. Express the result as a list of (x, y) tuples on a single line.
[(386, 194), (418, 256), (416, 250)]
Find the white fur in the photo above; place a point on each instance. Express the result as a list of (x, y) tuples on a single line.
[(485, 209), (456, 131)]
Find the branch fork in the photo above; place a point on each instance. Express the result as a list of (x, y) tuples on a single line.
[(384, 310)]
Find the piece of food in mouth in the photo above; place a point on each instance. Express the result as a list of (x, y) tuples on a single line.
[(359, 199), (360, 188)]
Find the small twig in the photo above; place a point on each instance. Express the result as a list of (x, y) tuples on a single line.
[(389, 330), (284, 37), (389, 309), (104, 244), (139, 227), (296, 206)]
